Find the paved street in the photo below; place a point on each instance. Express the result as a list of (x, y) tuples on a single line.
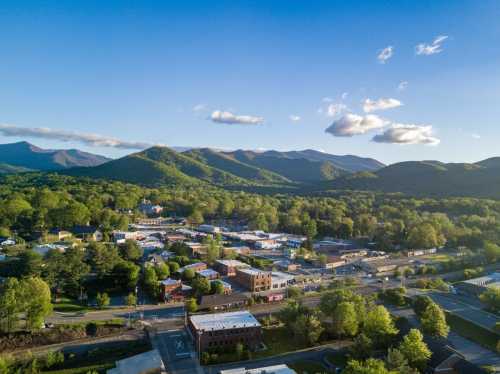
[(176, 351)]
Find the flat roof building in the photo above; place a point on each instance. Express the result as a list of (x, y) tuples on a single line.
[(228, 267), (224, 330), (275, 369), (254, 280)]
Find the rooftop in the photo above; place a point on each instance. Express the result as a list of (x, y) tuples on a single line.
[(140, 363), (170, 282), (224, 321), (232, 263), (207, 273), (253, 271), (275, 369), (485, 280)]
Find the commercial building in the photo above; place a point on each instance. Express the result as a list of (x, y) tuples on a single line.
[(228, 267), (225, 330), (197, 266), (144, 363), (209, 274), (275, 369), (254, 280), (280, 281), (228, 289), (223, 302), (477, 286), (332, 262)]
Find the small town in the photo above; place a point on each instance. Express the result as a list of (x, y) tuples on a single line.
[(208, 298)]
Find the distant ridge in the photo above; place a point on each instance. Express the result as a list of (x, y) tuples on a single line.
[(30, 157)]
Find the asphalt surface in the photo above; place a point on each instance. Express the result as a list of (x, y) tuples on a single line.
[(176, 351)]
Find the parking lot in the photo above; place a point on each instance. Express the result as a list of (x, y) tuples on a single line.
[(177, 351)]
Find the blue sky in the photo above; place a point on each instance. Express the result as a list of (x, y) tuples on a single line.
[(135, 71)]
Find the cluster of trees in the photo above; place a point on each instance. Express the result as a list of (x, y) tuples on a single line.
[(344, 314), (40, 202), (491, 298), (28, 298), (432, 317)]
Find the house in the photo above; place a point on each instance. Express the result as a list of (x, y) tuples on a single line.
[(332, 262), (287, 265), (209, 274), (228, 267), (122, 236), (60, 234), (267, 244), (254, 280), (197, 249), (174, 238), (197, 266), (155, 259), (145, 207), (240, 250), (228, 289), (223, 302), (43, 249), (174, 290), (275, 369), (295, 242), (144, 363), (89, 233), (224, 330)]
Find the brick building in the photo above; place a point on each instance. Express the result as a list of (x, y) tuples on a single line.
[(225, 330), (228, 267), (254, 280)]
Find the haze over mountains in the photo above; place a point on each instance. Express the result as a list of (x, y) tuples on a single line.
[(307, 171)]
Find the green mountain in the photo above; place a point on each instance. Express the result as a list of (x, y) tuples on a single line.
[(427, 178), (28, 156), (11, 169)]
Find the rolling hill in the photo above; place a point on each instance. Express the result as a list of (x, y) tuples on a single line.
[(23, 156), (161, 165), (427, 178)]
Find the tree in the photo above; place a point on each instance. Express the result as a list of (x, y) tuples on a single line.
[(102, 300), (10, 304), (131, 250), (36, 301), (30, 264), (434, 321), (492, 252), (217, 287), (378, 325), (424, 235), (162, 271), (188, 274), (420, 304), (191, 305), (150, 281), (491, 298), (415, 350), (344, 320), (201, 286), (125, 275), (398, 363), (131, 299), (370, 366), (294, 292), (362, 347), (174, 267), (307, 328), (102, 258)]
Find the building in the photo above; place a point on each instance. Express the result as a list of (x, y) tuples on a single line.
[(60, 234), (228, 267), (174, 290), (254, 280), (197, 266), (223, 302), (209, 274), (209, 229), (267, 244), (240, 250), (228, 289), (332, 262), (43, 249), (144, 363), (286, 265), (275, 369), (295, 242), (420, 252), (89, 233), (477, 286), (290, 253), (225, 330), (149, 209), (280, 281), (197, 249)]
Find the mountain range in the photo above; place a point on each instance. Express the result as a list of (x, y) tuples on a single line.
[(306, 171), (23, 156)]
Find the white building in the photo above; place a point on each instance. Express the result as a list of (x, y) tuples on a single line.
[(275, 369), (281, 280), (144, 363)]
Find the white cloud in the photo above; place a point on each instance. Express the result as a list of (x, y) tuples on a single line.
[(353, 124), (226, 117), (92, 140), (200, 107), (334, 110), (407, 134), (380, 104), (431, 49), (402, 85), (385, 54), (294, 118), (475, 136), (344, 95), (327, 99)]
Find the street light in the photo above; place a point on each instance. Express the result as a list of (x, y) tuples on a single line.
[(199, 334)]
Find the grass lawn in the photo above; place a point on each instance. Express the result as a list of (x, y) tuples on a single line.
[(469, 330), (67, 305), (308, 367), (278, 340)]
